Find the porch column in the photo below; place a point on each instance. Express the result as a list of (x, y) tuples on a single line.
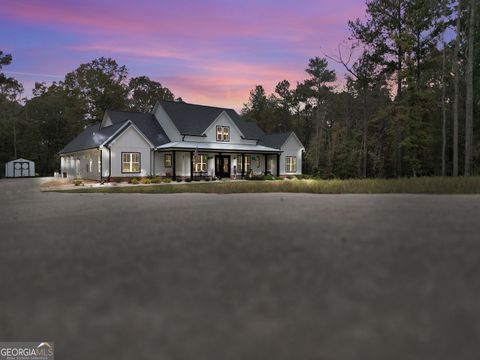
[(191, 165), (278, 164), (174, 165), (243, 166), (266, 167)]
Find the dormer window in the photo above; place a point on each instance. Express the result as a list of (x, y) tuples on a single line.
[(223, 133)]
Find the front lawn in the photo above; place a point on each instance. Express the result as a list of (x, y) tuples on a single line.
[(424, 185)]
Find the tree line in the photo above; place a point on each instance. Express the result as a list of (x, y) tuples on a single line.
[(409, 105), (411, 100), (40, 127)]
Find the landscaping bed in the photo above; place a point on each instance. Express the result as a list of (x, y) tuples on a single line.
[(425, 185)]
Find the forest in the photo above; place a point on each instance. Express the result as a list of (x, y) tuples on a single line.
[(408, 106)]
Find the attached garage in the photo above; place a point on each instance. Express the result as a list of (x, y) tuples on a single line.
[(20, 168)]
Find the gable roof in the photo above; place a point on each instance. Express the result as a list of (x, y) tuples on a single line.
[(146, 123), (192, 119), (95, 135), (275, 140), (90, 138)]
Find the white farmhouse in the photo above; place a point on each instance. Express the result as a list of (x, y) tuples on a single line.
[(179, 140)]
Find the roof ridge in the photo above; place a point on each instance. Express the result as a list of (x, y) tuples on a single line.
[(130, 112), (207, 106), (280, 133)]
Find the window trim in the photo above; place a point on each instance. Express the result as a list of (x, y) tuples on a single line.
[(247, 163), (195, 163), (131, 162), (165, 161), (222, 133), (287, 168)]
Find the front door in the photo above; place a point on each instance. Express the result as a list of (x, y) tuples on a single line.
[(222, 166)]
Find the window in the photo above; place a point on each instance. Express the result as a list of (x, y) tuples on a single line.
[(89, 165), (168, 160), (200, 163), (291, 164), (257, 161), (223, 133), (131, 162), (248, 162)]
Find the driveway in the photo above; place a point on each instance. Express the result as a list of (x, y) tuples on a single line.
[(241, 276)]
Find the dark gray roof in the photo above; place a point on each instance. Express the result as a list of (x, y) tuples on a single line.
[(146, 123), (192, 119), (275, 140), (94, 136), (91, 137), (122, 116)]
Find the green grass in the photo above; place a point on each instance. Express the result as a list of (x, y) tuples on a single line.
[(424, 185)]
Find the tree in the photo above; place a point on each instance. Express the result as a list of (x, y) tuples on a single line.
[(385, 35), (144, 93), (261, 109), (444, 93), (317, 88), (49, 120), (456, 79), (365, 73), (469, 95), (100, 84), (10, 91)]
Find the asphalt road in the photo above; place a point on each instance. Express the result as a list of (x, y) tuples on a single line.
[(246, 276)]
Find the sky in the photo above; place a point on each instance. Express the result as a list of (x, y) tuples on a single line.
[(206, 51)]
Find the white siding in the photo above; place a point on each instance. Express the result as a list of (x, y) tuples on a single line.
[(223, 120), (291, 147), (167, 124), (105, 163), (130, 141), (159, 166), (80, 163)]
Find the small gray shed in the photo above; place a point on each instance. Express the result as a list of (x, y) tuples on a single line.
[(20, 168)]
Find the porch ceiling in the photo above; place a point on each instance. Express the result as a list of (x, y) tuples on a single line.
[(217, 147)]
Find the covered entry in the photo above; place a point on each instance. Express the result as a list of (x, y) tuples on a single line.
[(20, 168), (222, 166)]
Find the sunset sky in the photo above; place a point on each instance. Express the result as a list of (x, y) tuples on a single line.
[(210, 52)]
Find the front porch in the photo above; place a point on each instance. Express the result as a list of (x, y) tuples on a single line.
[(200, 164)]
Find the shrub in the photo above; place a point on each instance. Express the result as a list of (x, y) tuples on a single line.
[(188, 180), (207, 178), (179, 179), (155, 180), (167, 180), (303, 177), (77, 182), (269, 177), (145, 180), (133, 180), (258, 177)]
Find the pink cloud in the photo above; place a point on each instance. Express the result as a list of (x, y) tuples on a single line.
[(212, 52)]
